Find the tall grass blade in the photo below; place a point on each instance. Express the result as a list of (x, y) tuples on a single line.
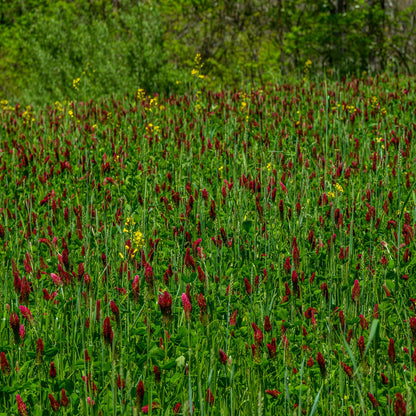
[(316, 401)]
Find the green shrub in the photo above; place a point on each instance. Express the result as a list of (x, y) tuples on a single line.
[(109, 50)]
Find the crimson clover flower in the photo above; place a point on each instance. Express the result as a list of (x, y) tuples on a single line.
[(107, 331)]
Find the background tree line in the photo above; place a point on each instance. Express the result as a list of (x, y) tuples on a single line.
[(115, 46)]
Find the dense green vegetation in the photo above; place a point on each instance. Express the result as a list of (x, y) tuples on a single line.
[(121, 45)]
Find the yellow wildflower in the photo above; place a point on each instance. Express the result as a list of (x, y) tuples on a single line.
[(138, 240), (137, 236), (339, 188), (141, 94), (75, 83)]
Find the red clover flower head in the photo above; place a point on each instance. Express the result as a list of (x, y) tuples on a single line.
[(54, 402), (165, 304), (223, 357), (356, 291), (107, 331), (4, 364), (321, 363), (400, 405), (21, 406), (186, 306), (64, 399)]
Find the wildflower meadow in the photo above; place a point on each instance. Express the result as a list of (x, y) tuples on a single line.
[(238, 252)]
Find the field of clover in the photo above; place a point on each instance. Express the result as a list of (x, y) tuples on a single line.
[(234, 252)]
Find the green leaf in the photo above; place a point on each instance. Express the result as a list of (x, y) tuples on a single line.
[(169, 365), (373, 332), (351, 355), (50, 352), (286, 386), (247, 225), (157, 353), (189, 278), (79, 364), (316, 401), (359, 389)]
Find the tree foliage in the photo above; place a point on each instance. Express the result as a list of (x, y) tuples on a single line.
[(120, 45), (106, 47)]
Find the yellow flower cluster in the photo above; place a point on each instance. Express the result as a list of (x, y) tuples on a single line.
[(153, 104), (75, 83), (86, 69), (351, 109), (243, 105), (380, 140), (376, 105), (138, 240), (198, 102), (129, 222), (307, 69), (5, 106), (339, 188), (141, 94), (196, 71), (59, 107), (151, 128), (27, 114), (136, 236)]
